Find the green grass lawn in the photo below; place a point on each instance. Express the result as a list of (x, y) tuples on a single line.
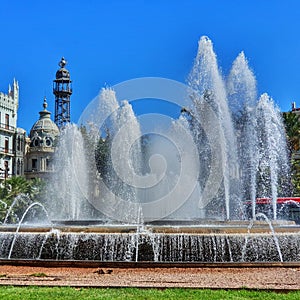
[(56, 293)]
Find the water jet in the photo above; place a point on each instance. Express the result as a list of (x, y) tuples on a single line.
[(185, 190)]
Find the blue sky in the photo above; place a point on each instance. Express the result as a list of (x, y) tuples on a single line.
[(107, 42)]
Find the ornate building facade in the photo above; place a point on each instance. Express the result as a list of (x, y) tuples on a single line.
[(12, 139), (44, 133), (41, 146), (32, 156)]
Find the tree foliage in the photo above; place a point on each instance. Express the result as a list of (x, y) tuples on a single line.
[(102, 155), (16, 194), (292, 129)]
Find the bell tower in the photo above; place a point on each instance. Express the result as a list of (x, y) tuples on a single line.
[(62, 89)]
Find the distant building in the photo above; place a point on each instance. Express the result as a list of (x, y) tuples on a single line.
[(44, 133), (296, 145), (19, 151), (32, 156), (12, 139), (40, 151), (294, 108)]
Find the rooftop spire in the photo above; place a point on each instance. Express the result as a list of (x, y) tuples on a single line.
[(62, 62), (45, 113), (45, 104)]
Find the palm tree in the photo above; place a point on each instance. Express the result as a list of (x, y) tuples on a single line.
[(20, 193)]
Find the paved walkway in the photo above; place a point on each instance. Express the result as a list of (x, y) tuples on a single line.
[(258, 278)]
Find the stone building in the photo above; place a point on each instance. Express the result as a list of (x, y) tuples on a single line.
[(41, 146), (43, 134), (32, 156), (12, 139)]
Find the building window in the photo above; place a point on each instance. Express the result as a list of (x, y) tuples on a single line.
[(48, 164), (22, 144), (34, 164), (6, 145), (48, 142), (6, 121), (35, 142), (22, 167), (19, 144), (18, 167), (6, 169)]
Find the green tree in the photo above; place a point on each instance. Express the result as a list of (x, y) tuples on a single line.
[(16, 194), (292, 129), (102, 155)]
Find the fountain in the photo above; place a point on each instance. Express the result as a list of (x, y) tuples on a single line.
[(181, 190)]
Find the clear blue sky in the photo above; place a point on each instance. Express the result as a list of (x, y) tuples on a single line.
[(107, 42)]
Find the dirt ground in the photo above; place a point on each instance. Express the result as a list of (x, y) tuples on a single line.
[(257, 278)]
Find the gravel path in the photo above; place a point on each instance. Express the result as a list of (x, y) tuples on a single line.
[(257, 278)]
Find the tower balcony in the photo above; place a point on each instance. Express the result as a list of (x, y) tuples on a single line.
[(62, 87), (62, 92)]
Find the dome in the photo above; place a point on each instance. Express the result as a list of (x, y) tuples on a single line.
[(62, 73), (44, 125), (44, 131)]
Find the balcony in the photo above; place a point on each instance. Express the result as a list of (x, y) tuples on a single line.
[(7, 151), (7, 127), (4, 176)]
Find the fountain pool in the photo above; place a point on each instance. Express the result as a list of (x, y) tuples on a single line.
[(153, 188)]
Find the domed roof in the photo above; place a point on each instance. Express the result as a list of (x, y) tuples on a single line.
[(44, 126), (62, 73)]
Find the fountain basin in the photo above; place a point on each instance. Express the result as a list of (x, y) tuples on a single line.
[(210, 243)]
